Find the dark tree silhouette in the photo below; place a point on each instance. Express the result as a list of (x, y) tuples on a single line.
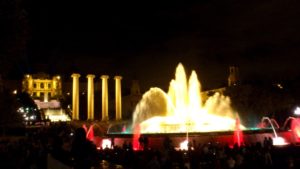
[(9, 117), (252, 102)]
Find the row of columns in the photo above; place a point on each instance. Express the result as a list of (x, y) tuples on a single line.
[(90, 97)]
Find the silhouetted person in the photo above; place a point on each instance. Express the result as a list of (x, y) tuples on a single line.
[(146, 143), (58, 156), (84, 151)]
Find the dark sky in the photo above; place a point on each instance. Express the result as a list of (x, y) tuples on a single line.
[(147, 40)]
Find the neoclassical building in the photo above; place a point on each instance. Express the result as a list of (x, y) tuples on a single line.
[(46, 92), (42, 87)]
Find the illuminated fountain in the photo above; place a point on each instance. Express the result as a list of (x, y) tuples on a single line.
[(294, 128), (277, 141), (238, 138), (182, 110), (89, 132), (56, 115), (136, 136)]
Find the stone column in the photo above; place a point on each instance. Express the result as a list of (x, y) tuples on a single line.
[(90, 97), (46, 97), (105, 116), (75, 96), (118, 98)]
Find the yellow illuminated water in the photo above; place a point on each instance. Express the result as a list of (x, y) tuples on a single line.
[(182, 109)]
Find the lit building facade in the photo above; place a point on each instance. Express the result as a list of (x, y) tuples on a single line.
[(42, 87), (46, 91)]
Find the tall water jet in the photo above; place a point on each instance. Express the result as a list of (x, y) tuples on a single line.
[(238, 137), (136, 136), (89, 132), (180, 110)]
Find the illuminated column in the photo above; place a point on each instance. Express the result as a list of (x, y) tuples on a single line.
[(75, 96), (46, 97), (53, 86), (118, 98), (104, 98), (90, 97)]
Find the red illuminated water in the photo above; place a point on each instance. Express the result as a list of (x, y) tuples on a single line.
[(89, 132), (136, 136), (124, 129), (295, 127), (85, 128), (238, 137)]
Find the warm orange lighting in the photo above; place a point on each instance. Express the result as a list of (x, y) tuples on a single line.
[(181, 109), (15, 91)]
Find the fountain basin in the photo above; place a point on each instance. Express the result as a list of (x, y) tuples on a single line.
[(222, 137)]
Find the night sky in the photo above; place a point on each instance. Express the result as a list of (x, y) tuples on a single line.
[(146, 40)]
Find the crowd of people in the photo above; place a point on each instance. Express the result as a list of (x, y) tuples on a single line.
[(60, 146)]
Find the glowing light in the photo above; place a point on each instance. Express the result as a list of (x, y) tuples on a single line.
[(279, 141), (106, 143), (184, 145), (90, 134), (181, 109), (56, 118), (279, 86), (238, 137), (15, 91), (136, 136), (32, 117), (21, 110), (56, 115), (295, 127), (297, 111)]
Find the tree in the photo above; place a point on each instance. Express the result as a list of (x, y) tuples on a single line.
[(9, 117)]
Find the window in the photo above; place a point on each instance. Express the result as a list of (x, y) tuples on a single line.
[(42, 85), (49, 85), (42, 94), (34, 94), (34, 85)]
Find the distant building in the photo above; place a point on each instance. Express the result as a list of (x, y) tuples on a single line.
[(233, 78), (42, 87), (46, 92)]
